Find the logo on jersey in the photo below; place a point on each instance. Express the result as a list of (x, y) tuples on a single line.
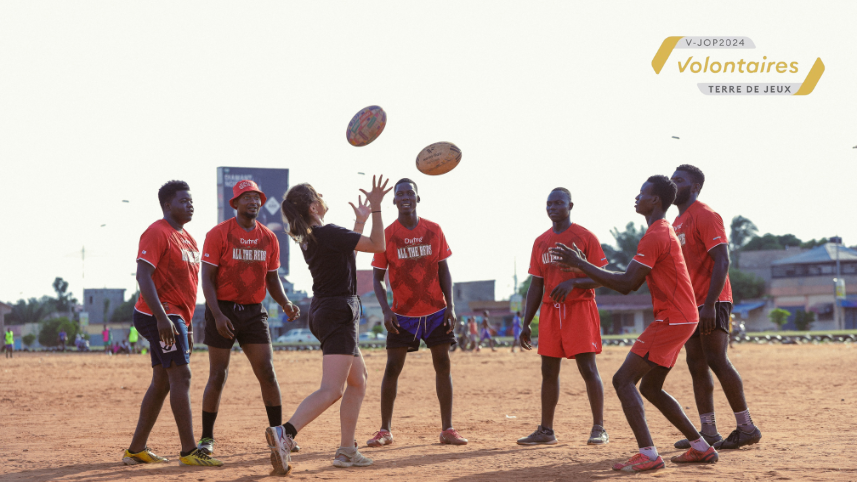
[(248, 241), (239, 254), (413, 240), (681, 239), (190, 256), (412, 252)]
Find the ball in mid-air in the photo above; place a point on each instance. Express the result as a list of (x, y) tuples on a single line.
[(366, 126), (438, 158)]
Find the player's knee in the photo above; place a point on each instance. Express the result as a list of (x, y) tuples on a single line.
[(393, 369), (442, 366), (268, 376), (218, 377)]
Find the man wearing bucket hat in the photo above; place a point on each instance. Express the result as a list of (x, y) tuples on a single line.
[(240, 261)]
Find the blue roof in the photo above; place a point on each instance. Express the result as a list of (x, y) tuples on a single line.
[(825, 253), (745, 308)]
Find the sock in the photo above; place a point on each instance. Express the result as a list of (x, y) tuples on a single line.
[(546, 430), (275, 415), (745, 423), (709, 426), (185, 454), (700, 444), (650, 452), (208, 419), (291, 430)]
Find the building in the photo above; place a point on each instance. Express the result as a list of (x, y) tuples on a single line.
[(805, 282), (466, 291), (759, 262), (628, 314), (99, 302)]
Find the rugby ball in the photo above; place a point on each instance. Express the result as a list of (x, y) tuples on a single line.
[(366, 126), (438, 158)]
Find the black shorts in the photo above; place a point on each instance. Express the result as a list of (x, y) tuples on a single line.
[(722, 314), (438, 336), (161, 353), (333, 320), (250, 323)]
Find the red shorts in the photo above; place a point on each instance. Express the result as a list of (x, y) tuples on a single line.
[(569, 328), (663, 342)]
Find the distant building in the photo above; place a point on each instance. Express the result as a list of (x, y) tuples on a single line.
[(759, 262), (466, 291), (94, 303), (629, 314)]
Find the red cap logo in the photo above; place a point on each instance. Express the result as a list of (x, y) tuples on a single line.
[(245, 186)]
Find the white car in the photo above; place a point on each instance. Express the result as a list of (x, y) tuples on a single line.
[(298, 335), (366, 336)]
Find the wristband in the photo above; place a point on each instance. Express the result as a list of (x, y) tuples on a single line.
[(376, 211)]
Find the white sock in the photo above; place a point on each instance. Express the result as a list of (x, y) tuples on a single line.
[(650, 452), (700, 444), (745, 423), (709, 426)]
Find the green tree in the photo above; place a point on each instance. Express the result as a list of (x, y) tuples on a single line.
[(812, 243), (606, 320), (779, 317), (804, 320), (64, 302), (28, 339), (50, 329), (125, 311), (745, 286), (626, 246), (378, 329), (772, 241), (741, 230), (525, 286), (30, 311)]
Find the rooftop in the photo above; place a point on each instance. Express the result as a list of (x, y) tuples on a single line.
[(825, 253)]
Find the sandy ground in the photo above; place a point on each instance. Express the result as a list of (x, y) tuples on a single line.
[(69, 417)]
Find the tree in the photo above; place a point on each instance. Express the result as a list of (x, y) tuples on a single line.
[(741, 230), (30, 311), (804, 320), (812, 243), (779, 317), (606, 320), (771, 241), (626, 246), (125, 311), (525, 286), (50, 329), (378, 329), (28, 339), (745, 286), (65, 301)]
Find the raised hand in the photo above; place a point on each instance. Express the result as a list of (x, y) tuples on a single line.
[(376, 195), (361, 210)]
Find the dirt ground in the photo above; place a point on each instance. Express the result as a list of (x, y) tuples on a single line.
[(69, 417)]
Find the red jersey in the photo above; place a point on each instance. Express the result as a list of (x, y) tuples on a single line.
[(699, 230), (672, 293), (175, 257), (542, 262), (243, 258), (413, 257)]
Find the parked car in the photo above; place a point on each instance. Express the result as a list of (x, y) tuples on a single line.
[(366, 336), (298, 335)]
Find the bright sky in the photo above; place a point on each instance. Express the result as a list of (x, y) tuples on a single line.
[(102, 102)]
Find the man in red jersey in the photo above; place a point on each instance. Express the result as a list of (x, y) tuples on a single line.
[(422, 309), (569, 326), (658, 262), (704, 245), (167, 267), (240, 261)]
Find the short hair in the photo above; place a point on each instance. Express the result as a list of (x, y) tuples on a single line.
[(168, 191), (404, 180), (664, 188), (562, 189), (696, 174)]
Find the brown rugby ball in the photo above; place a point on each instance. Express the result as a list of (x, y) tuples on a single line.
[(438, 158)]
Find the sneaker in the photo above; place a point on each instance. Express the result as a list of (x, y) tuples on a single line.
[(346, 458), (598, 436), (281, 445), (144, 457), (639, 463), (452, 437), (542, 436), (198, 457), (739, 439), (693, 456), (206, 445), (381, 438), (711, 439)]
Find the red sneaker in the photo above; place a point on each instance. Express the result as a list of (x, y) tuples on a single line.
[(452, 437), (381, 438), (693, 456), (639, 463)]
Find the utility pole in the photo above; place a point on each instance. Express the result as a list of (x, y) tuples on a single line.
[(838, 288)]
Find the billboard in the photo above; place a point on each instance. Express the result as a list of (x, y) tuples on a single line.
[(274, 183)]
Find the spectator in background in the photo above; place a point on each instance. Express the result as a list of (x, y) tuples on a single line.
[(133, 336), (516, 330), (63, 336), (486, 333), (105, 336), (474, 334), (10, 342)]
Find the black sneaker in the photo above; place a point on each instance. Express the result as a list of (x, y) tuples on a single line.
[(738, 439), (542, 436), (711, 439)]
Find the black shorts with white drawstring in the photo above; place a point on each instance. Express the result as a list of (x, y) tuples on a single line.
[(250, 323)]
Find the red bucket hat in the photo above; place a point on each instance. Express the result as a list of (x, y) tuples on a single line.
[(245, 186)]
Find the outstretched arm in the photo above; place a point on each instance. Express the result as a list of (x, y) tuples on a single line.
[(624, 283)]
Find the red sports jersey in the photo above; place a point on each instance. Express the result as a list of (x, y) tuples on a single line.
[(542, 262), (672, 293), (243, 259), (413, 258), (175, 258), (699, 230)]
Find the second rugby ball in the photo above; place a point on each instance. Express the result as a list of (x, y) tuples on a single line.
[(438, 158)]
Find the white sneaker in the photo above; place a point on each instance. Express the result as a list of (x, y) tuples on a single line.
[(350, 457), (281, 445)]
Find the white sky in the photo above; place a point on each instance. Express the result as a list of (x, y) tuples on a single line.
[(105, 101)]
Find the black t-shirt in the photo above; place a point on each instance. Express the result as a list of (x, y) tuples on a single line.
[(331, 261)]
